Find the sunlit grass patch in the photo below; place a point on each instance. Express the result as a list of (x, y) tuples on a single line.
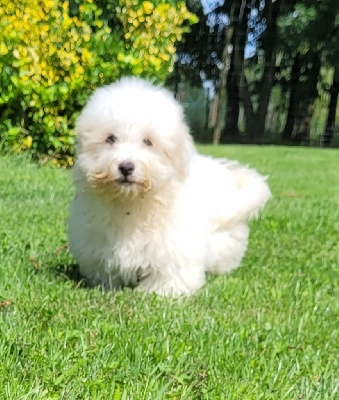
[(269, 330)]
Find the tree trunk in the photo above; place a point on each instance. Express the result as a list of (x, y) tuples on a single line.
[(250, 118), (332, 109), (269, 42), (256, 120), (293, 101), (236, 69), (308, 95), (303, 125), (222, 87)]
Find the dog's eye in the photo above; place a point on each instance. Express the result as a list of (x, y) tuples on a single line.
[(148, 142), (111, 139)]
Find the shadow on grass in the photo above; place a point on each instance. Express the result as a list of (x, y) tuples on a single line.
[(71, 272)]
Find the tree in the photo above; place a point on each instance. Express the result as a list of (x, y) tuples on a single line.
[(332, 109), (292, 109), (292, 42), (256, 95), (239, 26), (228, 67), (199, 54), (307, 36)]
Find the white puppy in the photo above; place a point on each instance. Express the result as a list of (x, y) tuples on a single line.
[(149, 210)]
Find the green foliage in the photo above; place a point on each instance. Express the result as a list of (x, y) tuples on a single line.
[(310, 26), (54, 55), (268, 330), (151, 31)]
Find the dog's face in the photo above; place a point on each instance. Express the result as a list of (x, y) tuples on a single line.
[(132, 138)]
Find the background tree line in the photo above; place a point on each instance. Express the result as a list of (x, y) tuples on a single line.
[(270, 67), (273, 65)]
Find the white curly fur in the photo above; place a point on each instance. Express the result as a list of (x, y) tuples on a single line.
[(175, 216)]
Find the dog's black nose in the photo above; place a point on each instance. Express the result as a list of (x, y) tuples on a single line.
[(126, 168)]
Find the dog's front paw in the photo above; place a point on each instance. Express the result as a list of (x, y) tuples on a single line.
[(173, 287)]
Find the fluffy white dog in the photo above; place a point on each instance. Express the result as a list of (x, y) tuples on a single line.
[(149, 210)]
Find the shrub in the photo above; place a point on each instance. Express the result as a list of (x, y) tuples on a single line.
[(53, 57)]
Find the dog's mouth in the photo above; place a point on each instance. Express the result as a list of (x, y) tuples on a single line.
[(125, 181), (121, 184)]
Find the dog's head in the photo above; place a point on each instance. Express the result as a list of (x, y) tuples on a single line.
[(132, 138)]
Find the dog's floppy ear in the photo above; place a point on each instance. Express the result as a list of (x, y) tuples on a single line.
[(181, 154)]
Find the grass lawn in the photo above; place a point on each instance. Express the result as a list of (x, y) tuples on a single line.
[(269, 330)]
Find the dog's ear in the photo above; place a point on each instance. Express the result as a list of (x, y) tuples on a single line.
[(181, 154), (82, 141)]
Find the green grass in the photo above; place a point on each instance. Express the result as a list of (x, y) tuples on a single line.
[(270, 330)]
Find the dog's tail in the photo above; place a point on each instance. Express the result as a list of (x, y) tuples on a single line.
[(254, 191)]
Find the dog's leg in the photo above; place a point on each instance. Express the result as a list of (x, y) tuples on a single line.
[(184, 282), (99, 277), (227, 248)]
